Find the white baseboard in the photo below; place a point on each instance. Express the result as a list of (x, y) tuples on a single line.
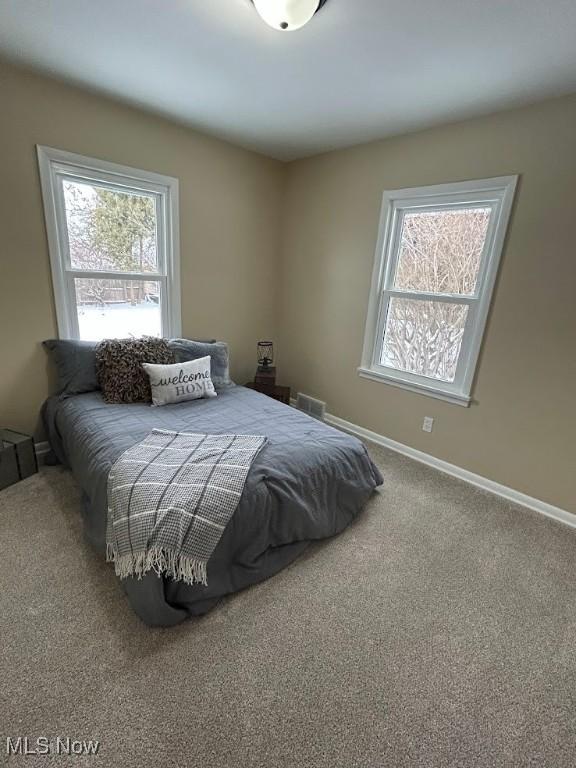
[(556, 513)]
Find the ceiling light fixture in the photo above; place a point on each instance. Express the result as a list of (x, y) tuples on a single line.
[(287, 15)]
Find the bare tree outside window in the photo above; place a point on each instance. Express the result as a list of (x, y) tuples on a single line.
[(424, 337), (434, 273), (440, 253)]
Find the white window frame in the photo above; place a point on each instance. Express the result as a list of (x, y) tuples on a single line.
[(497, 193), (55, 165)]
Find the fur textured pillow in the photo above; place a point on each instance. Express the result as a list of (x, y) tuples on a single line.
[(119, 367)]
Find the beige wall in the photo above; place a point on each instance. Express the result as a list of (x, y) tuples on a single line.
[(521, 429), (229, 222)]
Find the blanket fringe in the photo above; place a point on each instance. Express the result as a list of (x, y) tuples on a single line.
[(191, 570)]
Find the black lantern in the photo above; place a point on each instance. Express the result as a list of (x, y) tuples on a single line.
[(265, 355)]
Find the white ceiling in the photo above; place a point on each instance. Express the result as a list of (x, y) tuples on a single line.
[(361, 69)]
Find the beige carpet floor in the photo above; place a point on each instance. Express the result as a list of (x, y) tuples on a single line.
[(439, 630)]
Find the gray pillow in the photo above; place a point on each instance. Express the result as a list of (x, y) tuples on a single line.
[(75, 363), (186, 350)]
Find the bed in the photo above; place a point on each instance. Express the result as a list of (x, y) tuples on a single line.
[(308, 483)]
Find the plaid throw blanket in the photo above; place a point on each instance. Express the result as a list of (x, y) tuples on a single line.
[(170, 498)]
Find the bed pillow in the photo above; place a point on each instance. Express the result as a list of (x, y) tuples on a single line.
[(187, 349), (75, 363), (119, 367), (180, 382)]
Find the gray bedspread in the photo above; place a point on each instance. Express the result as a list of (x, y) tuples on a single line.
[(307, 483)]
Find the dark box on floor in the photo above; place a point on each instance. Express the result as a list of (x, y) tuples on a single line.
[(17, 457)]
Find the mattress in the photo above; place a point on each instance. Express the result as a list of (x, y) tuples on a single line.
[(308, 483)]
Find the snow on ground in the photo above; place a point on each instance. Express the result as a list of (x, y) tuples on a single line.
[(119, 321)]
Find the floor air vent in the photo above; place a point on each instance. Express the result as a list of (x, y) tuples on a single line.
[(311, 406)]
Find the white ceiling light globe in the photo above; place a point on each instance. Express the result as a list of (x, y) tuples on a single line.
[(286, 15)]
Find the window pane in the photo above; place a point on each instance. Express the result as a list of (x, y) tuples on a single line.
[(424, 337), (440, 251), (110, 230), (117, 308)]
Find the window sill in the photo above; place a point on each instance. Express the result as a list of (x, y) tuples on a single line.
[(420, 389)]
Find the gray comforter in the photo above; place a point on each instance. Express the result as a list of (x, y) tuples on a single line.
[(308, 483)]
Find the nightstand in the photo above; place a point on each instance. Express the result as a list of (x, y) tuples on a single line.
[(272, 390)]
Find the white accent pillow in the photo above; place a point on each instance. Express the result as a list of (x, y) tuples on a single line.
[(180, 381)]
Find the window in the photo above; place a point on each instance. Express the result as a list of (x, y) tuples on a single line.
[(113, 240), (436, 262)]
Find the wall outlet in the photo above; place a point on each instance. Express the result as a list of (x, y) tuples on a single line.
[(427, 424)]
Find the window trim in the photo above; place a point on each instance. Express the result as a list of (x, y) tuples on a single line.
[(53, 163), (499, 194)]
